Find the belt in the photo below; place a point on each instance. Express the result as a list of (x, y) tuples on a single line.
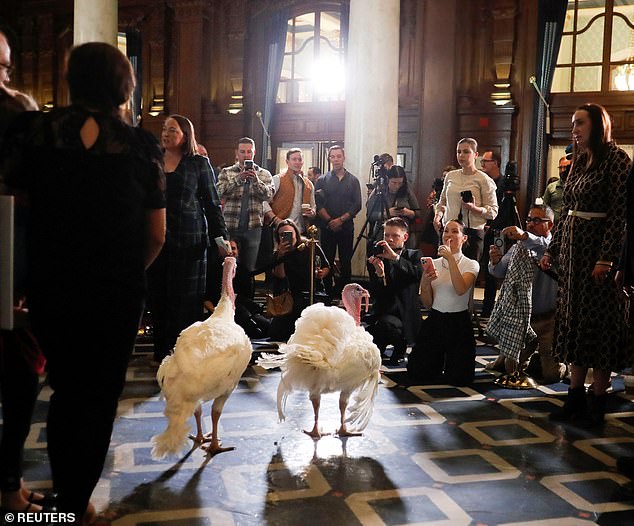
[(587, 215)]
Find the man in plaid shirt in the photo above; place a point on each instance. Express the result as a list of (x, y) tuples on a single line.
[(243, 189)]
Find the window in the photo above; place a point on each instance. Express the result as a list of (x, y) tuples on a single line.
[(597, 47), (313, 67)]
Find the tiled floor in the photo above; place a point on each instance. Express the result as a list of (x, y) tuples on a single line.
[(431, 455)]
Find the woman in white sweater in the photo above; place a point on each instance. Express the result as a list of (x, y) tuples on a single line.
[(468, 195), (445, 348)]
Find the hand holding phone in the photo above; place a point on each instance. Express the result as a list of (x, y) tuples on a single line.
[(426, 263), (286, 237)]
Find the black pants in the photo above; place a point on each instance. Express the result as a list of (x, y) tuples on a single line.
[(87, 352), (18, 388), (445, 350), (388, 330), (342, 241)]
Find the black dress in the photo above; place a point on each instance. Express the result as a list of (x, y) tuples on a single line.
[(87, 239), (589, 324)]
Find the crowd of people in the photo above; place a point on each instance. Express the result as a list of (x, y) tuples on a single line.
[(149, 221)]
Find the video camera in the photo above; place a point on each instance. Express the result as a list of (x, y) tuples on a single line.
[(511, 181), (380, 174)]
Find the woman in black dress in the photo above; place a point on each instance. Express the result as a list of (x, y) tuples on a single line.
[(97, 220), (178, 276), (587, 240)]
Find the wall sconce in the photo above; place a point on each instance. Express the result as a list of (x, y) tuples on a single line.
[(236, 104), (48, 106), (501, 95), (157, 107)]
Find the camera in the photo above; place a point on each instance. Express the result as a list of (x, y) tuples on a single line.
[(375, 250), (249, 164), (498, 241), (511, 181), (467, 196)]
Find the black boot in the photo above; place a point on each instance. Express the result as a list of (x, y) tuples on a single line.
[(574, 408), (596, 410)]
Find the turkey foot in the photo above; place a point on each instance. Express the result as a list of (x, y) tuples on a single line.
[(201, 439), (214, 448), (343, 432), (315, 433)]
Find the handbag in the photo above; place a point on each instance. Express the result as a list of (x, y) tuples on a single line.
[(279, 305)]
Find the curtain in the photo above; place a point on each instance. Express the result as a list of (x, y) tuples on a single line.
[(552, 15), (265, 65)]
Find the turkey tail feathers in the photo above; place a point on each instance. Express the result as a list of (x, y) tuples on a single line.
[(174, 439), (271, 361), (360, 411)]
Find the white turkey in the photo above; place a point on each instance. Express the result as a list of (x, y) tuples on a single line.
[(208, 360), (331, 352)]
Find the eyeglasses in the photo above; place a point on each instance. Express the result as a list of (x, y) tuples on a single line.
[(8, 67), (537, 220), (482, 161)]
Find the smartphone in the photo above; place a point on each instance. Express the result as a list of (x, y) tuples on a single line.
[(249, 164), (467, 196), (286, 237), (498, 241), (425, 263)]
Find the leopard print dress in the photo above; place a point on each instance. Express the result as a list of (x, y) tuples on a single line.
[(590, 325)]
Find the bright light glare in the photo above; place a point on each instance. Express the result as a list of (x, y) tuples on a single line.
[(329, 78)]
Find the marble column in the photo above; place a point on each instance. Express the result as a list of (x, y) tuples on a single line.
[(96, 21), (371, 94)]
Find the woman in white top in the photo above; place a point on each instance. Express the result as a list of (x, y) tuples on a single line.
[(468, 195), (445, 348)]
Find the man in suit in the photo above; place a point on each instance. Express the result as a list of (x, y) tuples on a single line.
[(395, 274)]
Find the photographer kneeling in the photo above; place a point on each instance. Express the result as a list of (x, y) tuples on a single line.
[(394, 276), (536, 239), (292, 271)]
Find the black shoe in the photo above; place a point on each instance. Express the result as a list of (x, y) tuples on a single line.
[(575, 407), (394, 361), (596, 410)]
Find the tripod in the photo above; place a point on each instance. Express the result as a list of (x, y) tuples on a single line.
[(508, 214), (379, 206)]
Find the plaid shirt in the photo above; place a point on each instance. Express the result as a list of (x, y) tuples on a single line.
[(510, 318), (231, 188)]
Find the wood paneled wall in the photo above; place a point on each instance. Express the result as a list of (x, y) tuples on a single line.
[(452, 53)]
